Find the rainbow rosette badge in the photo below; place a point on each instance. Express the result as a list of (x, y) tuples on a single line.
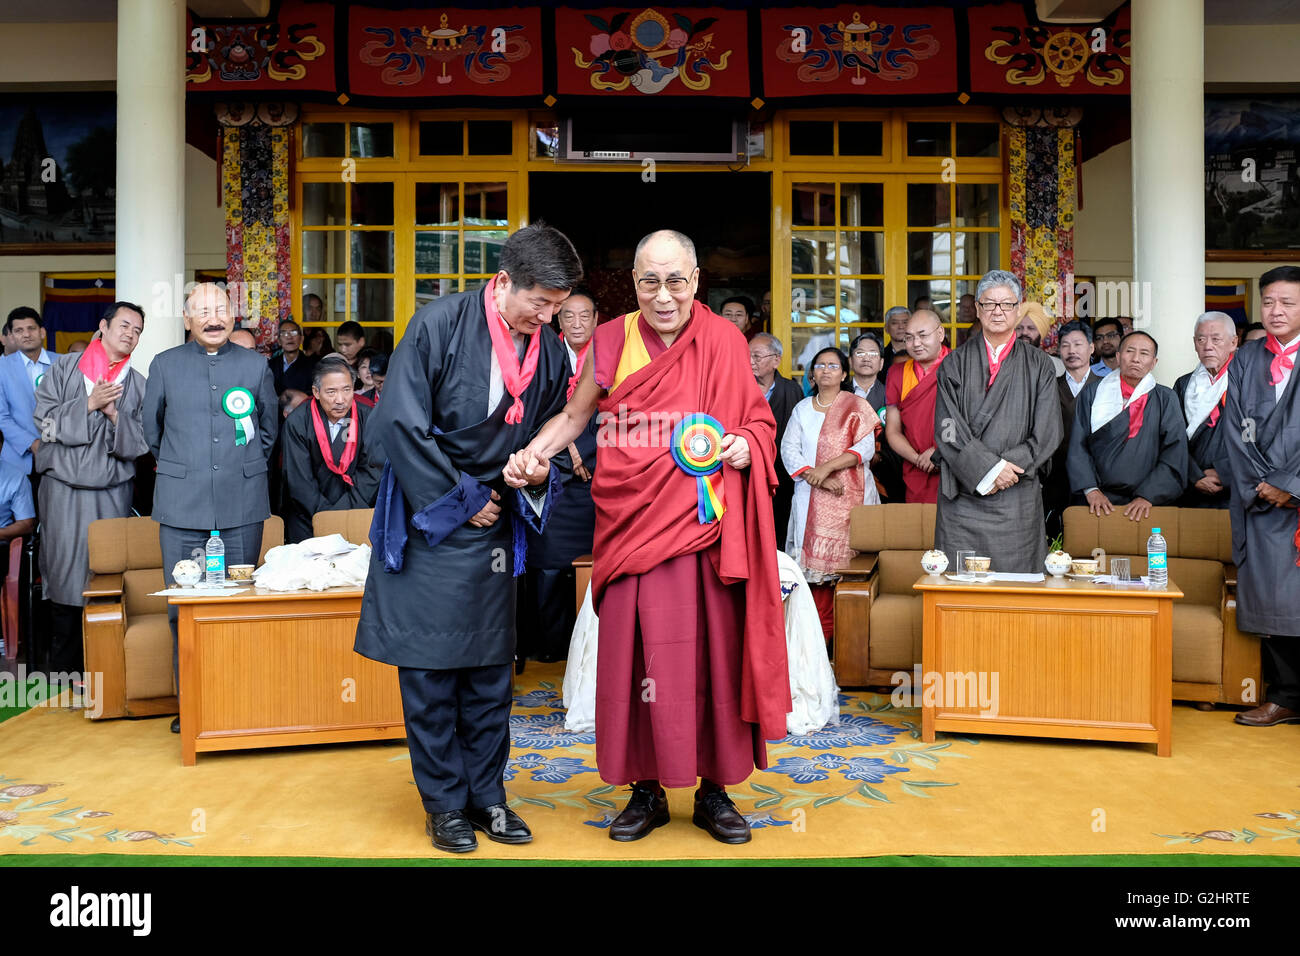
[(697, 449), (238, 404)]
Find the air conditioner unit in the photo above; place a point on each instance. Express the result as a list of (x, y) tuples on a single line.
[(664, 135)]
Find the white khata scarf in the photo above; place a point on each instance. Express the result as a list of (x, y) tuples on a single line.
[(1203, 394), (1109, 401)]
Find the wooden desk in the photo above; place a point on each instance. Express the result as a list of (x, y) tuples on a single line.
[(1073, 659), (277, 669)]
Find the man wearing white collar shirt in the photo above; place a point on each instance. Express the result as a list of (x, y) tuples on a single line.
[(1129, 442), (20, 372), (782, 396), (1202, 393)]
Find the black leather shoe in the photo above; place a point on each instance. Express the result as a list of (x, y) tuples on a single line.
[(715, 812), (176, 725), (646, 810), (500, 824), (451, 831)]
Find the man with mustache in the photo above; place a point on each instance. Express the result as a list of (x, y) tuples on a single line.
[(210, 418)]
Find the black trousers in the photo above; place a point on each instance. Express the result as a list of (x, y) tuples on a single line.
[(1280, 662), (458, 731), (546, 613), (66, 651), (242, 547)]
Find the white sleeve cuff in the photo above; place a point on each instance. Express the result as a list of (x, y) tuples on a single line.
[(985, 486)]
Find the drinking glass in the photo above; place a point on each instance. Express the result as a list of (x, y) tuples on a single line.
[(1119, 570), (961, 561)]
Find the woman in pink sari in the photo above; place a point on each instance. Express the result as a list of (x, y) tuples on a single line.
[(827, 449)]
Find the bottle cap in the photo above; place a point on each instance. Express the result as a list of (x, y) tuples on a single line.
[(1153, 531), (215, 534)]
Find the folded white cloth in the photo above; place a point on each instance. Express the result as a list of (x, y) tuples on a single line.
[(329, 561)]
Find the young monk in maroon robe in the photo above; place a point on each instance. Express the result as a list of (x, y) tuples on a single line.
[(692, 673), (910, 397)]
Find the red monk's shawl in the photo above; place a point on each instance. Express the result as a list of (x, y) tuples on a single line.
[(646, 507)]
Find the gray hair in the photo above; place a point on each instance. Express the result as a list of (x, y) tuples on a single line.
[(678, 237), (330, 363), (1229, 325), (771, 340), (998, 277), (891, 312)]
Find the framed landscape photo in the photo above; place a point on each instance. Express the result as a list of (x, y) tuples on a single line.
[(58, 171), (1252, 177)]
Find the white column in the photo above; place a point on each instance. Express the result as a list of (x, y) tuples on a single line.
[(1168, 75), (150, 252)]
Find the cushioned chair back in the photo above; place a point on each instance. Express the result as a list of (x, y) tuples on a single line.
[(899, 571), (354, 525), (1189, 532), (893, 527)]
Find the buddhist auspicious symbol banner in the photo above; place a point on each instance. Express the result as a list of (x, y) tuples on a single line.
[(255, 193), (445, 52), (696, 51), (857, 50), (294, 51), (1041, 183), (1010, 55)]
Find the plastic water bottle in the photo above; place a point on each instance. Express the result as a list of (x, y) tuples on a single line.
[(216, 561), (1157, 561)]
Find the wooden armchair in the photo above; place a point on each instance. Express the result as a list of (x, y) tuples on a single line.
[(125, 634), (354, 524)]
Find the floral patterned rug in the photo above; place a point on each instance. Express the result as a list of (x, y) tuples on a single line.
[(867, 786)]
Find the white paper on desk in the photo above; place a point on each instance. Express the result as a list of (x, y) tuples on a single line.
[(197, 591), (1027, 577)]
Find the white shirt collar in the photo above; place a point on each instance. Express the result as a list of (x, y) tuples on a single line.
[(42, 359)]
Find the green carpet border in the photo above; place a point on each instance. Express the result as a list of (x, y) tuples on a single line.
[(37, 695), (1108, 860)]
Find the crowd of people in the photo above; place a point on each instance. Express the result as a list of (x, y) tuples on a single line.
[(511, 438)]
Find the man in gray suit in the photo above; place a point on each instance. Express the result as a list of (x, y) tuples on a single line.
[(210, 418)]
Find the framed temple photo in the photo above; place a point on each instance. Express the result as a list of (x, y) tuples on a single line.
[(1252, 177), (58, 171)]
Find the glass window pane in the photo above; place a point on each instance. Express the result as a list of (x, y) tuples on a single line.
[(975, 253), (813, 253), (862, 204), (426, 290), (977, 204), (937, 290), (813, 204), (437, 204), (483, 250), (861, 139), (812, 138), (491, 138), (442, 138), (929, 139), (807, 341), (929, 253), (371, 139), (324, 252), (813, 300), (862, 300), (928, 204), (372, 301), (472, 284), (863, 253), (977, 139), (372, 251), (322, 289), (486, 204), (322, 204), (437, 252), (372, 204), (323, 139)]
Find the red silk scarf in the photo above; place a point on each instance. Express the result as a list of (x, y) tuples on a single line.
[(516, 376), (349, 443), (995, 364), (94, 363), (1283, 359), (1135, 410), (577, 372), (1214, 412)]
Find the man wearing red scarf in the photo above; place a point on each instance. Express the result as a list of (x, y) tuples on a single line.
[(1261, 423), (1202, 394), (692, 673), (475, 375), (88, 410), (328, 465)]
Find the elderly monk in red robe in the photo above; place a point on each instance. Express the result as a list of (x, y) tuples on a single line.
[(691, 674)]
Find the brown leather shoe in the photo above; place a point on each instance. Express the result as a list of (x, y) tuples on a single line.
[(1266, 715), (715, 812), (646, 810)]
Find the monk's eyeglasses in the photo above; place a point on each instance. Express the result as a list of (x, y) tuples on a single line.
[(650, 285)]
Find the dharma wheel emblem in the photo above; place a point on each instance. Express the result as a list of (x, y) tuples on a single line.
[(1065, 55)]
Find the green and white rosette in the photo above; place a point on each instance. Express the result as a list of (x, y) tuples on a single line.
[(238, 404)]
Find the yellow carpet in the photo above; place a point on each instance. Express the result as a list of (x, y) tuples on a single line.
[(867, 788)]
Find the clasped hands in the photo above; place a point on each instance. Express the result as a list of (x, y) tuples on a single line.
[(103, 396), (821, 476)]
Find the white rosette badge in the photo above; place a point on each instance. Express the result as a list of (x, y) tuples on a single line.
[(238, 404)]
